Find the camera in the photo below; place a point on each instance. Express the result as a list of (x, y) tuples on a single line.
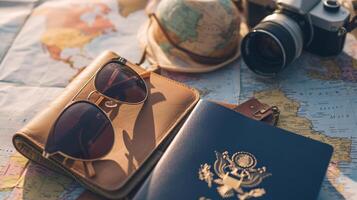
[(283, 28)]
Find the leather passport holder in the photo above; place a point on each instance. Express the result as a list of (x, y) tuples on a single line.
[(142, 132), (220, 154)]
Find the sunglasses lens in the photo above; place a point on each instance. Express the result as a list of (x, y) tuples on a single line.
[(82, 131), (120, 82)]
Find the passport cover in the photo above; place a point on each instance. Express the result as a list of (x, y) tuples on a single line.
[(219, 153)]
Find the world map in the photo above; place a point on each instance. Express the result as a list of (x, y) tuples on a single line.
[(47, 43), (76, 29)]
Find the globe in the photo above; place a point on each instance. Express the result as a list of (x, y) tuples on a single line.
[(205, 27)]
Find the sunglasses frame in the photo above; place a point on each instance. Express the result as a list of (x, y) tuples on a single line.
[(126, 63), (102, 97)]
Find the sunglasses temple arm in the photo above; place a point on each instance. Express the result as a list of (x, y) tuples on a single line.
[(45, 154), (145, 74), (89, 169), (88, 166)]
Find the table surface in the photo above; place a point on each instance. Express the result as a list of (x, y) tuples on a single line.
[(43, 47)]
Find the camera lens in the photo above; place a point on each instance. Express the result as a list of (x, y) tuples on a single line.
[(264, 54), (269, 49), (272, 45)]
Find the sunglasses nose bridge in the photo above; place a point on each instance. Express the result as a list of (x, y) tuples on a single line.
[(46, 154), (108, 103), (91, 94)]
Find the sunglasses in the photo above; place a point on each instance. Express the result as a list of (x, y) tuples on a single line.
[(83, 130)]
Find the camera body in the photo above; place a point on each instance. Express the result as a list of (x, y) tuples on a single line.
[(257, 10), (317, 26)]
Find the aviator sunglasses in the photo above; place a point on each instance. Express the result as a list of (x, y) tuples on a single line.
[(83, 130)]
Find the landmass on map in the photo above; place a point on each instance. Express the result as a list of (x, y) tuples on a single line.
[(291, 121), (66, 28), (77, 26), (342, 67)]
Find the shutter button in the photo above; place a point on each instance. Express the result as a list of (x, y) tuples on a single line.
[(331, 5)]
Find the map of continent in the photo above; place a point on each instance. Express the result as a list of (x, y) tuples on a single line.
[(45, 43), (339, 68), (78, 25), (291, 121)]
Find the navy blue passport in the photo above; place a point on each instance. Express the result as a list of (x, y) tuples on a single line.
[(220, 154)]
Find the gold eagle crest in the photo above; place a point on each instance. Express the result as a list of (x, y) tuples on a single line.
[(237, 175)]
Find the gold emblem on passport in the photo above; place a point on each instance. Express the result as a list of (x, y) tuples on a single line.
[(237, 175)]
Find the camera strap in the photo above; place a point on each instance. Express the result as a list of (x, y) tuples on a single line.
[(352, 24), (239, 5)]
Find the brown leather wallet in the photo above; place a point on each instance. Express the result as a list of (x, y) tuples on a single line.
[(142, 131)]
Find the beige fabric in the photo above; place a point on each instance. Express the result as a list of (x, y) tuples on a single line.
[(178, 61)]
